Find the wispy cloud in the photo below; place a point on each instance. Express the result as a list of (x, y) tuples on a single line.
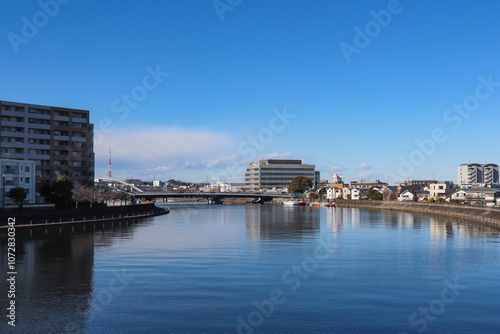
[(365, 166), (365, 174), (159, 144)]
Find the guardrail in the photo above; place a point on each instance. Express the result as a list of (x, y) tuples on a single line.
[(89, 219)]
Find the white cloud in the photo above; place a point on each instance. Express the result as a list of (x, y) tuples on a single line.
[(365, 174), (364, 166), (159, 144)]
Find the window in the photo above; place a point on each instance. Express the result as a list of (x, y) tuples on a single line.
[(62, 113), (38, 141), (77, 154), (61, 153), (60, 133), (60, 143), (27, 169), (39, 131), (12, 129), (78, 135), (12, 119), (38, 152), (78, 125), (78, 115), (12, 150), (39, 121), (77, 144), (42, 162), (39, 111), (60, 163), (61, 123), (12, 108), (12, 140)]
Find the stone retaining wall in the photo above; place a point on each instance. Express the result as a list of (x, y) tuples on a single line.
[(482, 214)]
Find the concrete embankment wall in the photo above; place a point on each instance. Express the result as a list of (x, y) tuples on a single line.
[(99, 213), (486, 215)]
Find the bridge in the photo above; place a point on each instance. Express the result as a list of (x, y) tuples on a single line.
[(212, 197)]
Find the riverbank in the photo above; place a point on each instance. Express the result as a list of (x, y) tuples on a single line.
[(482, 214), (39, 217)]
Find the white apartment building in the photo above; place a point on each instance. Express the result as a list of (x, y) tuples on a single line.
[(17, 173), (475, 173)]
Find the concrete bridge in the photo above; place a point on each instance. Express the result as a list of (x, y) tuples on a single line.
[(212, 197)]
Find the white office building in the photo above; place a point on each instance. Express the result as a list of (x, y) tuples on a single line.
[(278, 173)]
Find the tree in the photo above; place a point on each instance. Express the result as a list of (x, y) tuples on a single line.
[(18, 195), (83, 194), (123, 197), (59, 192), (374, 195), (299, 185)]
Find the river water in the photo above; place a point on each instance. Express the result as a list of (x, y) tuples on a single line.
[(258, 269)]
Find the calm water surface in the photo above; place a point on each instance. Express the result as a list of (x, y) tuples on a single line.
[(259, 269)]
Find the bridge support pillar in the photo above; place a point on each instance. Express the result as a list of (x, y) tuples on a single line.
[(215, 201)]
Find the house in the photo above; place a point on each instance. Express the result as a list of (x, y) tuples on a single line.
[(459, 195), (422, 195), (356, 194), (390, 193), (334, 193), (441, 190), (482, 196), (346, 193), (407, 195)]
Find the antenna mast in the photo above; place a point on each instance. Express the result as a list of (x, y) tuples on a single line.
[(109, 167)]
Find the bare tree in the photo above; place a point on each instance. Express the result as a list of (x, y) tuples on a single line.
[(83, 194)]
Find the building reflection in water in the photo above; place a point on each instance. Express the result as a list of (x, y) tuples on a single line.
[(337, 217), (55, 275), (278, 222), (442, 228)]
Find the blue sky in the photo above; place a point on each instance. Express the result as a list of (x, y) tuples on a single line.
[(219, 86)]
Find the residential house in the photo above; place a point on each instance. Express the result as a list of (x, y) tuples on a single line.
[(407, 195), (441, 190), (356, 194)]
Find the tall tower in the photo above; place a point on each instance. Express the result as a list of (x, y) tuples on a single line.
[(109, 167)]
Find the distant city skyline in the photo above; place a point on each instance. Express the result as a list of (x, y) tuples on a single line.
[(190, 90)]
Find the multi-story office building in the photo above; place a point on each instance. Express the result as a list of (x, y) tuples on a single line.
[(59, 140), (469, 174), (278, 173), (14, 174)]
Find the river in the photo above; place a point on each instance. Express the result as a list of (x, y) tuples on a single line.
[(258, 269)]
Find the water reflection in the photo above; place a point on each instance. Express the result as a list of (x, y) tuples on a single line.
[(280, 222), (55, 274), (441, 228)]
